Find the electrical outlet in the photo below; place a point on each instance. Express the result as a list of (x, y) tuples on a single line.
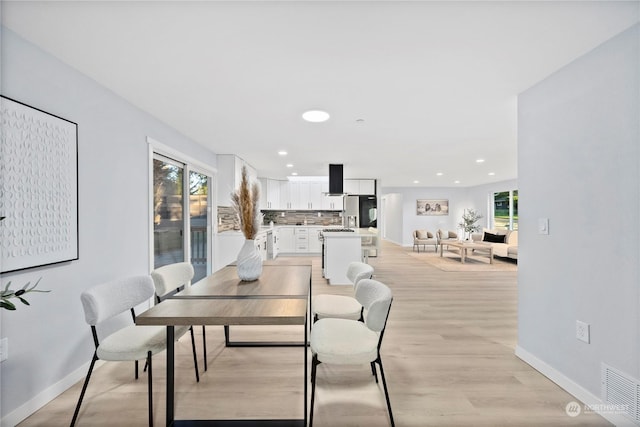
[(4, 349), (582, 331)]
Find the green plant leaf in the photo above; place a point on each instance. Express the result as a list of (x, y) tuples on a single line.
[(7, 305), (24, 301)]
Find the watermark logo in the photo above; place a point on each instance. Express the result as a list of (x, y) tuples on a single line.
[(573, 409)]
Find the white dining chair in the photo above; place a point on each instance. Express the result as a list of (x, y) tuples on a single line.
[(107, 300), (168, 280), (350, 342), (342, 306)]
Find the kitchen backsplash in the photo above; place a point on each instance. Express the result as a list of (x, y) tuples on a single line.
[(302, 217), (227, 219)]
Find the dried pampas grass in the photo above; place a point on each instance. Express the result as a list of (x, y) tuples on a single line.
[(245, 201)]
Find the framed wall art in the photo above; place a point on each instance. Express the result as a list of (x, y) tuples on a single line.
[(38, 189), (432, 207)]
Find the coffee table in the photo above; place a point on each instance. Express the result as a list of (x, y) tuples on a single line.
[(484, 248)]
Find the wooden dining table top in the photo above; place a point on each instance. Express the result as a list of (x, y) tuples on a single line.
[(276, 281), (279, 297), (246, 311)]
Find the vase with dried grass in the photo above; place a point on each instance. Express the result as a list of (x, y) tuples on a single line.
[(245, 201)]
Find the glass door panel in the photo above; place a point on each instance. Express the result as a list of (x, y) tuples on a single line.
[(168, 212), (199, 221)]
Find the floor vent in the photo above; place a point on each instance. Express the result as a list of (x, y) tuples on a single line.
[(622, 391)]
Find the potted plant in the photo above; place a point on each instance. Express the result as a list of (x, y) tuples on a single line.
[(245, 202), (469, 222)]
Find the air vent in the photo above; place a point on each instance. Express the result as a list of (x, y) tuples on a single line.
[(620, 389)]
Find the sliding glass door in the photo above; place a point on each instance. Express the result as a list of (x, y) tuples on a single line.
[(181, 204), (168, 212), (199, 221)]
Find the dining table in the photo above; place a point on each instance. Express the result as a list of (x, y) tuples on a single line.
[(279, 297)]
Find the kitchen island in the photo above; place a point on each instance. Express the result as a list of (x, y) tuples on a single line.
[(341, 247)]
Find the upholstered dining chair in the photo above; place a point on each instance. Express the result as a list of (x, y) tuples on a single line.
[(169, 279), (342, 306), (107, 300), (349, 342)]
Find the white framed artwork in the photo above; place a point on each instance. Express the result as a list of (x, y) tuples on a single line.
[(38, 187)]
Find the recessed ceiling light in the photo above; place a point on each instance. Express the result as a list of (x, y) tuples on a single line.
[(315, 116), (479, 160), (294, 173), (282, 153), (456, 182), (492, 173), (439, 174), (416, 182), (289, 165)]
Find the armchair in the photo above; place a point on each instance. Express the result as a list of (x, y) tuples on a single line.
[(424, 238)]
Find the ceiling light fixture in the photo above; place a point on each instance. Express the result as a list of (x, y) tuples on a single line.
[(294, 173), (456, 182), (439, 174), (416, 182), (492, 173), (479, 160), (315, 116), (289, 165), (282, 153)]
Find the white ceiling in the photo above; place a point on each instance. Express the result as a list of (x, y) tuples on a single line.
[(436, 83)]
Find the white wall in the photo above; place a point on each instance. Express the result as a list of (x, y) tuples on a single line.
[(49, 340), (578, 162), (402, 202)]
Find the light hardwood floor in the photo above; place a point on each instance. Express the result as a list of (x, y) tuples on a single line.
[(448, 355)]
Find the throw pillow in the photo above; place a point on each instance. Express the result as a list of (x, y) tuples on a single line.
[(493, 238), (443, 234), (423, 234), (453, 235)]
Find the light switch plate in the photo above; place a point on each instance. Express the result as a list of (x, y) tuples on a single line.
[(543, 225)]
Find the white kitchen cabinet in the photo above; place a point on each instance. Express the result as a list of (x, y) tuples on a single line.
[(360, 186), (275, 235), (286, 240), (285, 195), (331, 203), (269, 193), (301, 239), (230, 175), (315, 245)]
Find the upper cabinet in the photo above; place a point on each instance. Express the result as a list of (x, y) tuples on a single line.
[(229, 176), (365, 187), (269, 193)]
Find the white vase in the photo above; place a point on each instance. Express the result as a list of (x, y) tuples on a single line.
[(249, 262)]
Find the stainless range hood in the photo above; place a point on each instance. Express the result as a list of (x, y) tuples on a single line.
[(336, 180)]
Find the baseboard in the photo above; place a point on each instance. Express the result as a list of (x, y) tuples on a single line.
[(571, 387), (46, 396)]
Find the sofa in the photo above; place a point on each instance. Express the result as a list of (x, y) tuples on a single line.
[(424, 238), (504, 242)]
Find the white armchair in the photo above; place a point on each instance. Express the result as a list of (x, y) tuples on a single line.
[(424, 238)]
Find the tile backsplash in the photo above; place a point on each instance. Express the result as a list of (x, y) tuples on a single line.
[(228, 220), (302, 217)]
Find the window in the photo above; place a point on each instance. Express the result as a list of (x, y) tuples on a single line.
[(505, 210)]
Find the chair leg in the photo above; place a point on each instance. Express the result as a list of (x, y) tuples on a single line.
[(136, 368), (195, 359), (150, 390), (84, 389), (204, 347), (386, 392), (373, 371), (314, 366)]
